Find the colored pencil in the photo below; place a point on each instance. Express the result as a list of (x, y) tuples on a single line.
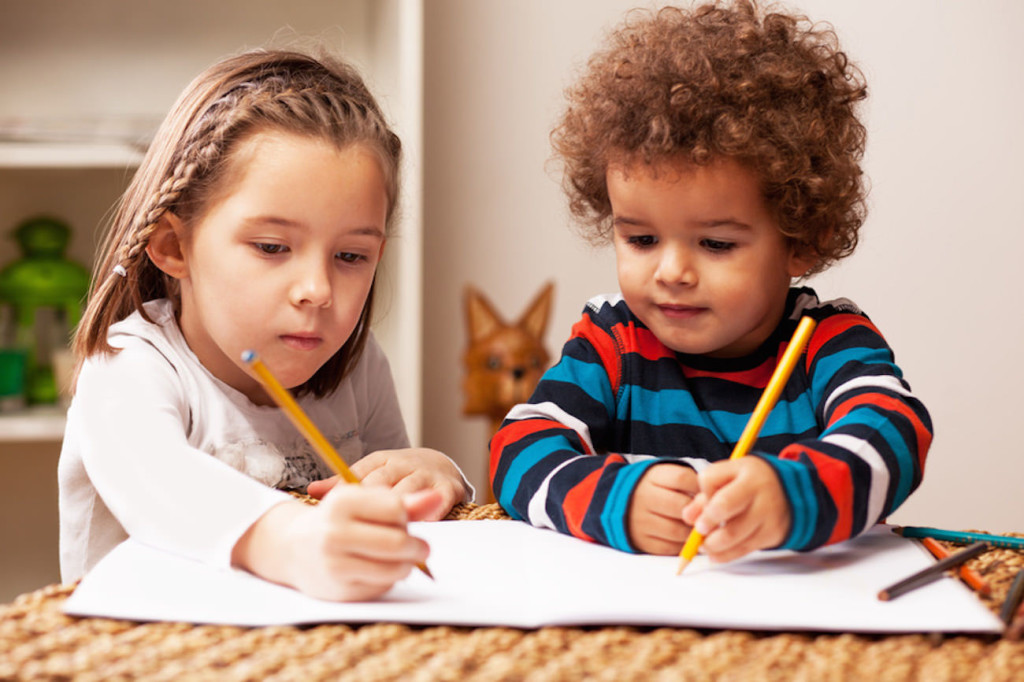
[(764, 406), (305, 425), (968, 574), (1015, 632), (1014, 599), (933, 572), (961, 537)]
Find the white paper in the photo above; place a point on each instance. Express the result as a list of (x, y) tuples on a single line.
[(506, 573)]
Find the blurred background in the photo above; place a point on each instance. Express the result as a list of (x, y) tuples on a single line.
[(474, 87)]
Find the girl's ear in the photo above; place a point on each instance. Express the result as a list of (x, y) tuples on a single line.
[(165, 246)]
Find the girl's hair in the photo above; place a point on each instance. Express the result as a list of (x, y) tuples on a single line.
[(189, 159), (771, 91)]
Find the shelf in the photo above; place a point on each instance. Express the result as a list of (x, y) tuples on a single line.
[(33, 424), (67, 155)]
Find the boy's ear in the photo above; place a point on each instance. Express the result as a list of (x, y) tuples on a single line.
[(165, 246), (800, 261)]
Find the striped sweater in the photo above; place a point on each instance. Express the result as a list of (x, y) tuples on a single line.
[(847, 438)]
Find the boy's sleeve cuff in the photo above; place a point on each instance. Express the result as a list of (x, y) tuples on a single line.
[(615, 516), (803, 504)]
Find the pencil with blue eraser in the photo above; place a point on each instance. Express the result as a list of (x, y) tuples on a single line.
[(304, 424), (961, 536), (764, 406)]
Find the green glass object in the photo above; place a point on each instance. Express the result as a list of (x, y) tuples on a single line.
[(43, 292)]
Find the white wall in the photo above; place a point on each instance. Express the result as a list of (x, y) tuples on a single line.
[(939, 262)]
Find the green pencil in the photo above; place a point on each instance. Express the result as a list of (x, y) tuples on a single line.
[(961, 536)]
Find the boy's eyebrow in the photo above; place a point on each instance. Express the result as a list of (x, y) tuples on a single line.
[(715, 222), (369, 230)]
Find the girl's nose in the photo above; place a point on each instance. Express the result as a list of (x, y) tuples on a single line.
[(312, 286), (676, 267)]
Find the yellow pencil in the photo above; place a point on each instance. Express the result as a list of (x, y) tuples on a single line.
[(305, 425), (768, 399)]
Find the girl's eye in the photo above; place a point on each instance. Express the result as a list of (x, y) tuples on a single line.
[(347, 257), (271, 249), (716, 246), (642, 240)]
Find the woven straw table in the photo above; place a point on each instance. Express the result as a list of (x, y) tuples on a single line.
[(37, 641)]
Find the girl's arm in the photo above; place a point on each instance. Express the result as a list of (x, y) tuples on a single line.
[(127, 431), (871, 453)]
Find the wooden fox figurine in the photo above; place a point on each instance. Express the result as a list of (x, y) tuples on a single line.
[(503, 361)]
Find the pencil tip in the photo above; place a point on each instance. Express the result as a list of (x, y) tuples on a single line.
[(683, 563), (426, 571), (883, 595)]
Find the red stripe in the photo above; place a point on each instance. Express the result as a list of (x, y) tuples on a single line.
[(835, 475), (578, 499), (605, 346), (891, 404), (756, 377), (833, 326), (646, 344)]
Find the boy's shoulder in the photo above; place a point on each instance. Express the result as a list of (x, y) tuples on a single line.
[(805, 301), (608, 310)]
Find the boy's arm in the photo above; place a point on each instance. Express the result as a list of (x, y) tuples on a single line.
[(544, 466), (870, 455)]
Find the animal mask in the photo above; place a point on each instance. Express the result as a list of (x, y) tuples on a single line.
[(503, 361)]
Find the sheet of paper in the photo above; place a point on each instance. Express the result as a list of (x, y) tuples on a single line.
[(507, 573)]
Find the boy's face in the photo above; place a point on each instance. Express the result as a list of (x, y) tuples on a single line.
[(701, 260)]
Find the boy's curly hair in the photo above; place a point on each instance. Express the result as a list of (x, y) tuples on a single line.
[(770, 90)]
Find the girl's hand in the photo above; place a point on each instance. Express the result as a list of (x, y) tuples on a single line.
[(353, 546), (741, 507), (406, 471), (655, 513)]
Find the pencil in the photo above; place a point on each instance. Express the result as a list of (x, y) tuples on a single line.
[(1015, 631), (933, 572), (768, 399), (968, 574), (961, 537), (305, 425), (1014, 599)]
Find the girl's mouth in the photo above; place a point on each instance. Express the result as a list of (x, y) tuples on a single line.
[(301, 341)]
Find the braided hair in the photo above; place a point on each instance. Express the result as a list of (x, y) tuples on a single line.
[(255, 91)]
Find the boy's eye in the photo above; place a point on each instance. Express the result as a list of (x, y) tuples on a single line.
[(642, 240), (717, 246), (271, 249)]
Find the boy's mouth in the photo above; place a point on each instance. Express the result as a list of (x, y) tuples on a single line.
[(680, 312)]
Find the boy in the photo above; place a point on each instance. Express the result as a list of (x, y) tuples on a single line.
[(718, 149)]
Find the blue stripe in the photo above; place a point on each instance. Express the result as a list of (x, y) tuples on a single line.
[(588, 376), (613, 517), (830, 365), (676, 406), (796, 482), (527, 458)]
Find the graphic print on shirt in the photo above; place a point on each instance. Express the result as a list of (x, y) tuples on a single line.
[(290, 467)]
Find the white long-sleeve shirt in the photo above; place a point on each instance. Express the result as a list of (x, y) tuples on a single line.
[(158, 448)]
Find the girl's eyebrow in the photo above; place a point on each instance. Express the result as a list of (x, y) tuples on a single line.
[(368, 230)]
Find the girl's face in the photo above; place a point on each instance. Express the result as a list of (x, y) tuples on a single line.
[(700, 259), (282, 260)]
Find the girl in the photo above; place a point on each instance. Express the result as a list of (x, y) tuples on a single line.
[(256, 220)]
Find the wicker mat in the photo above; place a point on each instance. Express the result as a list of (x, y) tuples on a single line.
[(37, 641)]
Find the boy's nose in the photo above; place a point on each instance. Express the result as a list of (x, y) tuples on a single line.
[(676, 267)]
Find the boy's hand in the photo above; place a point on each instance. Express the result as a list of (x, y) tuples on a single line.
[(406, 471), (741, 507), (655, 512), (353, 546)]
